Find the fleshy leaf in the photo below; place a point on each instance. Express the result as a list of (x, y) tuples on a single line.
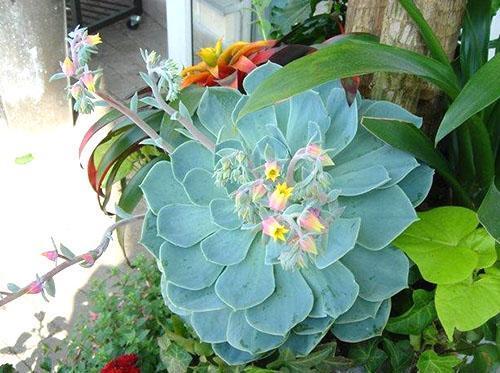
[(382, 281), (187, 267), (160, 187), (360, 310), (149, 236), (231, 355), (227, 247), (194, 300), (388, 110), (215, 109), (241, 335), (185, 225), (384, 213), (342, 235), (258, 75), (305, 107), (200, 188), (223, 213), (190, 155), (365, 329), (248, 283), (359, 181), (344, 121), (211, 326), (302, 345), (334, 289), (313, 325), (290, 304), (417, 184)]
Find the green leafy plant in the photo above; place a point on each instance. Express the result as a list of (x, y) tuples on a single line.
[(288, 212), (127, 317), (453, 253)]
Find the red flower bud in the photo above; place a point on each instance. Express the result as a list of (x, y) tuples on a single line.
[(35, 287)]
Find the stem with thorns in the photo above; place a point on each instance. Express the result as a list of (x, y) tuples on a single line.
[(99, 250)]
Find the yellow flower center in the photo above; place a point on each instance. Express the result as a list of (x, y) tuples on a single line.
[(278, 232), (284, 190), (272, 173)]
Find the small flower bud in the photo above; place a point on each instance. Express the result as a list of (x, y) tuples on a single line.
[(68, 67), (35, 287), (93, 39), (51, 255)]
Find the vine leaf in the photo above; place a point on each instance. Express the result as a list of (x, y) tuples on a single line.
[(417, 318), (430, 362)]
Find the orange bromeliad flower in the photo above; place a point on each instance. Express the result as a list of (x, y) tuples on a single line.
[(227, 67)]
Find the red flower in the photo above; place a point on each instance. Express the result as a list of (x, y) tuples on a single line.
[(122, 364)]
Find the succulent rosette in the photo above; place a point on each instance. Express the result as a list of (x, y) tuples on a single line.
[(283, 233)]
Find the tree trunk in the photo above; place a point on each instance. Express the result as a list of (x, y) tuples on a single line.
[(365, 16), (444, 17)]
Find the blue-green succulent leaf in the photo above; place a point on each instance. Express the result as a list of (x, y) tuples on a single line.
[(354, 183), (253, 127), (344, 121), (179, 311), (280, 150), (258, 75), (342, 235), (241, 335), (187, 267), (211, 326), (223, 214), (160, 188), (302, 345), (149, 236), (231, 355), (387, 110), (291, 303), (417, 184), (248, 283), (189, 155), (194, 300), (185, 225), (304, 108), (335, 289), (200, 187), (381, 281), (273, 251), (360, 310), (397, 163), (366, 329), (228, 247), (384, 213), (215, 109), (325, 89), (313, 325)]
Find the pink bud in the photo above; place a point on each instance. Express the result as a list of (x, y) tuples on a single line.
[(93, 316), (315, 151), (35, 287), (68, 67), (89, 81), (88, 258), (76, 91), (258, 190), (51, 255), (308, 244), (310, 221)]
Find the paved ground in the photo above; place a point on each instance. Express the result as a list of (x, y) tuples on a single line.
[(50, 196)]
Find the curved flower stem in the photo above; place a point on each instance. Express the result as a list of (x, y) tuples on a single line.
[(290, 181), (114, 103), (195, 132), (99, 250)]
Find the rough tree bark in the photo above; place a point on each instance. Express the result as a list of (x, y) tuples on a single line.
[(444, 16)]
